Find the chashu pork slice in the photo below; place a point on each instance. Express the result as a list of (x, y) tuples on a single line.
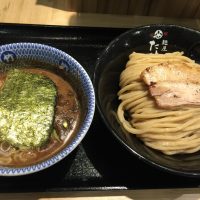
[(173, 85), (171, 72), (169, 94)]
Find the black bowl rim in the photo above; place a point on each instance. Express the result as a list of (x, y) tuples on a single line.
[(134, 153)]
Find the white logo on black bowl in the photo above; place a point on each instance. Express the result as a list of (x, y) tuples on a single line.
[(158, 34), (8, 57)]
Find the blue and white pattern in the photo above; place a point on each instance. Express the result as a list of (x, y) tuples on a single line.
[(63, 64), (8, 57), (10, 53)]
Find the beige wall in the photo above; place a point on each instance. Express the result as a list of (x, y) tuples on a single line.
[(163, 8)]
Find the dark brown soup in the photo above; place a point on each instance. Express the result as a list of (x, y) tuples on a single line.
[(66, 122)]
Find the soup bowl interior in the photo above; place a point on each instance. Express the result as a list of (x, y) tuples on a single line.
[(68, 71), (146, 39)]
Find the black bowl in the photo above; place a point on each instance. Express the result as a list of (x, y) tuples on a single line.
[(152, 38)]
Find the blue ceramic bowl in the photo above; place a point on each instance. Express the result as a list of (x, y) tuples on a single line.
[(15, 54)]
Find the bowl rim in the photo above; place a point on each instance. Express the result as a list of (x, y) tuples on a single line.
[(103, 116), (84, 77)]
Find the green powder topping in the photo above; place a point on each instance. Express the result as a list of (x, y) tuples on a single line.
[(27, 104)]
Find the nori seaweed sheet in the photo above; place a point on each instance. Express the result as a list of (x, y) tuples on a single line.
[(27, 104)]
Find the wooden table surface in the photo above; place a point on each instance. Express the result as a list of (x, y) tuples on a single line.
[(34, 12), (46, 12)]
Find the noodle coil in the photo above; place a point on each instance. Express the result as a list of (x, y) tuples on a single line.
[(171, 131)]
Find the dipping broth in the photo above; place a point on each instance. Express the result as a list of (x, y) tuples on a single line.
[(67, 117)]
